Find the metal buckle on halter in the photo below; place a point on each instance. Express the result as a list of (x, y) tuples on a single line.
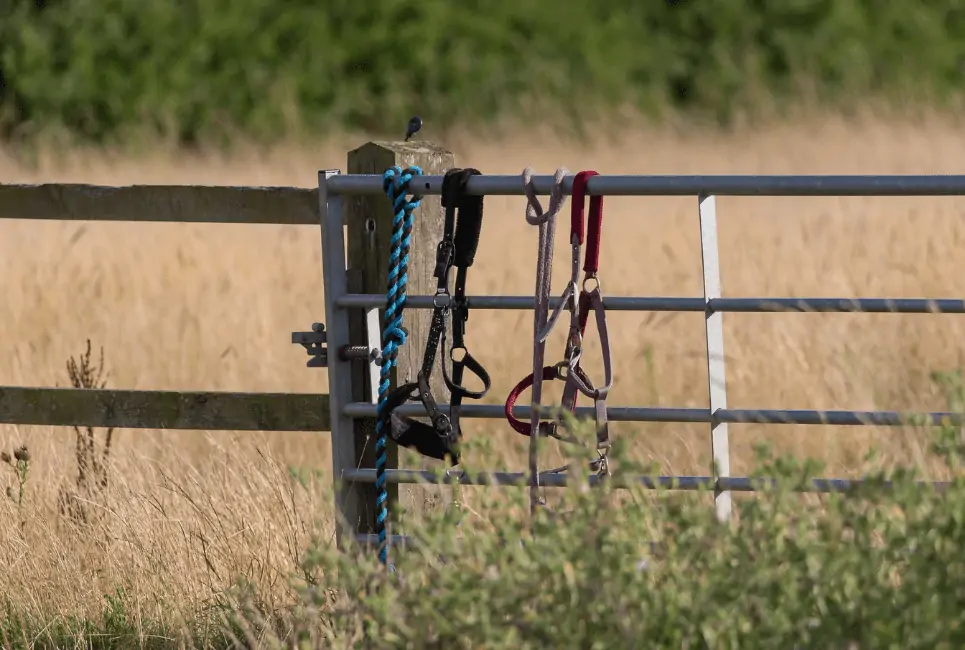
[(547, 429), (574, 348), (562, 368), (601, 465), (442, 425), (445, 251), (441, 292)]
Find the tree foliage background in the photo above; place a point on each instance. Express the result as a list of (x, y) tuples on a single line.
[(103, 70)]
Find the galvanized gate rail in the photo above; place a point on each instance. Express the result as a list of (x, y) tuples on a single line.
[(333, 187)]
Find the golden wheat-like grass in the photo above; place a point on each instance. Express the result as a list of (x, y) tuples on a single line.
[(211, 307)]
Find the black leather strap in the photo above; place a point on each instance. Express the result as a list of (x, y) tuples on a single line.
[(458, 246)]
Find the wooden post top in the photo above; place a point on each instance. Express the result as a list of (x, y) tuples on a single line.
[(410, 148), (376, 156)]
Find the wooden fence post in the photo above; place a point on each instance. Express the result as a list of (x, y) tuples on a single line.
[(369, 227)]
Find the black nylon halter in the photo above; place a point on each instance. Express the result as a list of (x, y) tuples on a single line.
[(460, 239)]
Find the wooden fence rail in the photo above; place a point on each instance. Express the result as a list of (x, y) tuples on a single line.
[(160, 409), (150, 409), (161, 203)]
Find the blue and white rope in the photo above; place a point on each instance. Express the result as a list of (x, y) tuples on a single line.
[(395, 182)]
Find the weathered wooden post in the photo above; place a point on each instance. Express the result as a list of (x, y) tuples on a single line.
[(369, 227)]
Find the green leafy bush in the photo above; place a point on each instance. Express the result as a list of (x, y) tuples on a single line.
[(878, 568), (606, 567), (208, 68)]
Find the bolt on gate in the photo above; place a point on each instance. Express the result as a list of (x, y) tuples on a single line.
[(335, 190)]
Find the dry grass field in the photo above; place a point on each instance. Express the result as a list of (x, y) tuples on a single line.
[(211, 307)]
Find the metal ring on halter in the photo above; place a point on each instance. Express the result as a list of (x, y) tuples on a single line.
[(562, 369), (592, 277)]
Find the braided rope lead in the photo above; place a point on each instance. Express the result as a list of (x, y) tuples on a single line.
[(395, 182), (544, 272)]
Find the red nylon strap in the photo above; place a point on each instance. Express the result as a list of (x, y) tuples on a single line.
[(549, 373), (591, 260)]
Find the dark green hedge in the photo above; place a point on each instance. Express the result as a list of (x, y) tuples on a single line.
[(200, 68)]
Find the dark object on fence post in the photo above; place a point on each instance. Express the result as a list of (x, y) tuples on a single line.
[(369, 226), (414, 125)]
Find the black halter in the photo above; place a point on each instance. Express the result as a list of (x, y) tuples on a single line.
[(456, 249)]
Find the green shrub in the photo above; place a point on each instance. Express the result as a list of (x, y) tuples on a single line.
[(206, 68), (879, 568), (604, 568)]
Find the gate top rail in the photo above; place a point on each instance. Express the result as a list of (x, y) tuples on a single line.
[(299, 206), (684, 185)]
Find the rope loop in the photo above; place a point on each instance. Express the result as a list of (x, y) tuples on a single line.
[(395, 183), (534, 209)]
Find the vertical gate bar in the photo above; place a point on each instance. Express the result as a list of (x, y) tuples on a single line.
[(373, 332), (714, 329), (373, 372), (335, 278)]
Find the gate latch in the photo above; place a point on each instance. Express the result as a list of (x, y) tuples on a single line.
[(315, 341), (314, 344)]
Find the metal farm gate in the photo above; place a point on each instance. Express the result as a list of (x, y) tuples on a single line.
[(335, 190)]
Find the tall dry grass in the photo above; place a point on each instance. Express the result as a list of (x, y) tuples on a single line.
[(210, 307)]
